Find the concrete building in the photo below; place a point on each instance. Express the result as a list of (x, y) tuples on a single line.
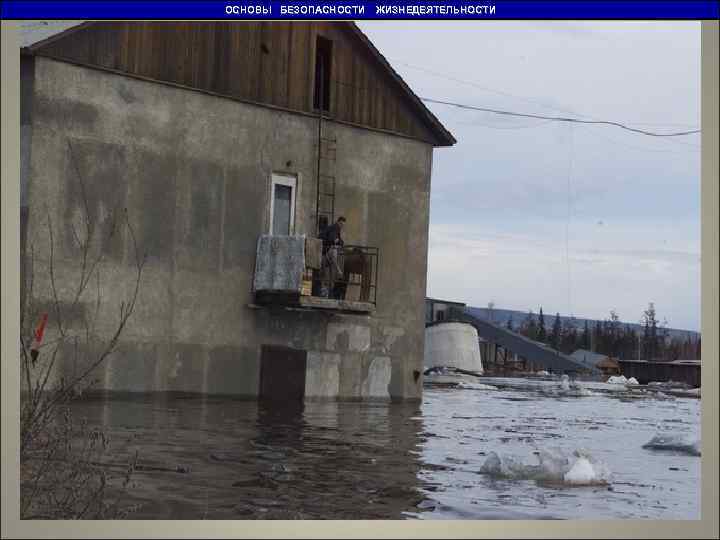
[(437, 310), (213, 136)]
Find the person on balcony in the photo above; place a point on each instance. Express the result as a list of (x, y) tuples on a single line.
[(332, 258), (332, 236)]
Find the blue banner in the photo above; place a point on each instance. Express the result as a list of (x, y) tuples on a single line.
[(361, 9)]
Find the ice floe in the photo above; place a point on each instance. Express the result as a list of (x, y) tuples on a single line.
[(682, 443), (568, 388), (621, 379), (475, 386), (576, 469)]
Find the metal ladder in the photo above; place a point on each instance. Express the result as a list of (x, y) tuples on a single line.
[(327, 149)]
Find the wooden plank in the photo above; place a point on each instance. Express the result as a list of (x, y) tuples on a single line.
[(312, 37), (363, 110), (123, 49), (289, 56), (264, 77), (241, 64), (380, 106), (338, 73), (279, 52), (298, 65), (221, 70), (372, 98), (345, 89), (255, 62)]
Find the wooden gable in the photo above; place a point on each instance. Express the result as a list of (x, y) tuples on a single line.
[(271, 63)]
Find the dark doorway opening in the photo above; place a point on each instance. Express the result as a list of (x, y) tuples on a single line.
[(282, 374), (323, 63)]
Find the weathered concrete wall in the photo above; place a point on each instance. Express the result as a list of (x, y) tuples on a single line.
[(27, 76), (194, 173)]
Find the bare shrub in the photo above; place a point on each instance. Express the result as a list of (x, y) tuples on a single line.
[(63, 474)]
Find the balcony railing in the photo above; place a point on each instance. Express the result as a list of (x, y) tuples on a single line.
[(348, 273), (294, 271)]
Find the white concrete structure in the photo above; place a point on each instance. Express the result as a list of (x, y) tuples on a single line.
[(453, 344)]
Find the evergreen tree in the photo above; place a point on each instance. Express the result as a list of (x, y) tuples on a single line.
[(556, 332), (650, 333), (529, 328), (674, 351), (585, 339), (568, 339), (630, 344), (613, 334), (664, 349), (688, 350), (541, 333), (636, 345), (597, 338)]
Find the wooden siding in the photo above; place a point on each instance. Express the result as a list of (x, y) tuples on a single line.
[(265, 62)]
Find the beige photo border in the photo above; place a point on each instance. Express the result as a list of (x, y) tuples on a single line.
[(12, 527)]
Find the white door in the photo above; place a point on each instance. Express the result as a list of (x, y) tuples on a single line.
[(282, 204)]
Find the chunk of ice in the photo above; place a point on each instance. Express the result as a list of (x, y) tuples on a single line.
[(475, 386), (585, 473), (578, 469), (683, 443)]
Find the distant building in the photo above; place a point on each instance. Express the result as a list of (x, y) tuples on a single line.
[(607, 365), (437, 310)]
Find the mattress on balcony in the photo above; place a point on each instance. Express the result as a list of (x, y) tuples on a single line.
[(313, 253), (279, 264)]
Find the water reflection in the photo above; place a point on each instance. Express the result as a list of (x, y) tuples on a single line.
[(224, 459), (218, 458)]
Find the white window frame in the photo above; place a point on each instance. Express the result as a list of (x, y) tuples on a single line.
[(291, 181)]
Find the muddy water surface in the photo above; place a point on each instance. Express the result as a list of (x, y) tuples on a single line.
[(203, 458)]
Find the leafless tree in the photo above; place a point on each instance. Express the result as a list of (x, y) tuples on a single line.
[(63, 475)]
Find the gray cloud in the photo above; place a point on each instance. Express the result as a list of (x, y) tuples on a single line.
[(499, 206)]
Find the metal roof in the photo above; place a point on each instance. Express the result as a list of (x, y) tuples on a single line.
[(534, 351)]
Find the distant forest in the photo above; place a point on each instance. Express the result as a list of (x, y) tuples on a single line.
[(610, 337)]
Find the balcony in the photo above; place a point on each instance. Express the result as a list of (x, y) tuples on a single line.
[(293, 271)]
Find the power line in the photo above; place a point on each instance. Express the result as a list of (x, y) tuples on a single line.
[(484, 88), (536, 116), (692, 149), (522, 98), (531, 125), (561, 119)]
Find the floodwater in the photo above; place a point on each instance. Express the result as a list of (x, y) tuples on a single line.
[(463, 453)]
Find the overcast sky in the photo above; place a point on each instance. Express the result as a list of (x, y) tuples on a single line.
[(516, 196)]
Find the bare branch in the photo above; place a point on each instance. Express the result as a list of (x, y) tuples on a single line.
[(56, 299), (59, 478)]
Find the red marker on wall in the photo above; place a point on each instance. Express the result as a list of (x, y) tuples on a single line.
[(39, 331)]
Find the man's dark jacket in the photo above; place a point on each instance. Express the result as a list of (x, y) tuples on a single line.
[(331, 235)]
